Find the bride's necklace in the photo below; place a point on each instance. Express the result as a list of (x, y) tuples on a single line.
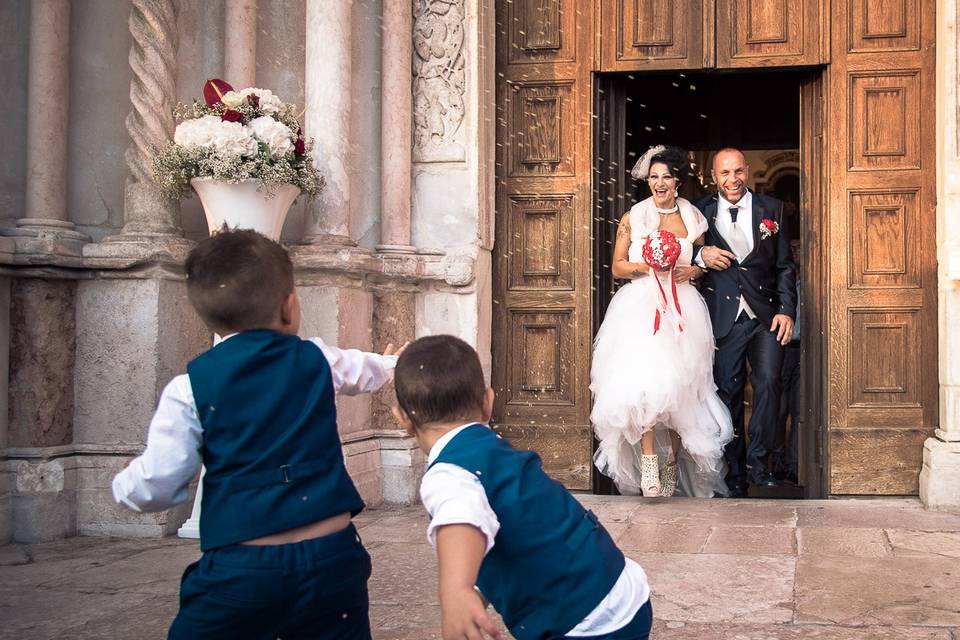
[(666, 212)]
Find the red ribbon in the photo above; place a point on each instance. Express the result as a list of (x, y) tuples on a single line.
[(663, 303)]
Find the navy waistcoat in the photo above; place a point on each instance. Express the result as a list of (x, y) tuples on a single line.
[(552, 561), (270, 444)]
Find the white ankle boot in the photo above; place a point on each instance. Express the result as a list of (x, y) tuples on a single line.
[(650, 475)]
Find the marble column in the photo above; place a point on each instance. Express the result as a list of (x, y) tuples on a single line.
[(240, 48), (48, 95), (940, 476), (327, 118), (396, 91), (151, 221)]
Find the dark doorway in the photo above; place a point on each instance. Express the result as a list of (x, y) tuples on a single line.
[(757, 112)]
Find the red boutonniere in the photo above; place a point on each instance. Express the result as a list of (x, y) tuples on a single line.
[(768, 228)]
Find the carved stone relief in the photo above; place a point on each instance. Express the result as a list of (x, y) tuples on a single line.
[(439, 81)]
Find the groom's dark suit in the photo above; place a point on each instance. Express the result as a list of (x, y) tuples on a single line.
[(766, 278)]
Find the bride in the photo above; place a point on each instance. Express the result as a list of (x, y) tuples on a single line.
[(653, 388)]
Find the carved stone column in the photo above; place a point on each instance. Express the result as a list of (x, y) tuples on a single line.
[(46, 228), (151, 221), (240, 50), (940, 476), (396, 124), (327, 119)]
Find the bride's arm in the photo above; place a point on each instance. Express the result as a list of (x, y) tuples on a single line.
[(622, 267)]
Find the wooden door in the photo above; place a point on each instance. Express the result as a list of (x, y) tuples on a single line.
[(542, 272), (771, 33), (881, 328), (655, 34), (814, 264)]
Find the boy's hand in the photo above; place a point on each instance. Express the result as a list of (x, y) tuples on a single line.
[(464, 616), (391, 351)]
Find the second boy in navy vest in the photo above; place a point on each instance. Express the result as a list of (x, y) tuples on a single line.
[(280, 555), (500, 524)]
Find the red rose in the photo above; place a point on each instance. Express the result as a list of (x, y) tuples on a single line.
[(231, 116), (299, 147), (254, 100), (213, 91)]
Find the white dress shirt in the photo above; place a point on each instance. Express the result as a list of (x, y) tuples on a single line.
[(453, 495), (724, 222), (159, 478)]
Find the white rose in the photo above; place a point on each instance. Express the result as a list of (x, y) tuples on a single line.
[(233, 99), (277, 136), (234, 139), (269, 103), (198, 132)]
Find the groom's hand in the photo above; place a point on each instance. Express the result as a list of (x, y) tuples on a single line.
[(783, 325), (717, 258)]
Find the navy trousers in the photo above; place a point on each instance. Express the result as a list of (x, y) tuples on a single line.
[(749, 340), (311, 589), (636, 629)]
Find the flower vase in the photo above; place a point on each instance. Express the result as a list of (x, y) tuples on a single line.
[(245, 205)]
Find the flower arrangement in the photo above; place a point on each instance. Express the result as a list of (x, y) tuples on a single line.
[(235, 136), (661, 250)]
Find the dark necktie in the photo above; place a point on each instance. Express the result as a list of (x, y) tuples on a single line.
[(738, 242)]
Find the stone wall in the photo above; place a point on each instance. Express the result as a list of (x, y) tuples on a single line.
[(940, 476)]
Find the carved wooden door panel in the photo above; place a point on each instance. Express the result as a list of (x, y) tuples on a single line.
[(542, 269), (882, 393), (656, 34), (771, 33)]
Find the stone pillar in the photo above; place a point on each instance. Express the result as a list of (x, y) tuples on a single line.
[(940, 476), (151, 222), (396, 118), (240, 48), (327, 120), (46, 228)]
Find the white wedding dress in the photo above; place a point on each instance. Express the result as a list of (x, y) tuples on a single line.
[(643, 380)]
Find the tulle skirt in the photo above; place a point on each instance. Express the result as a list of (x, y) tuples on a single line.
[(643, 381)]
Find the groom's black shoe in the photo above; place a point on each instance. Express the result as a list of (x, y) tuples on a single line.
[(738, 492), (763, 479)]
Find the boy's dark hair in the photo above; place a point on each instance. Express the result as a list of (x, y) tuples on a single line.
[(238, 279), (439, 379)]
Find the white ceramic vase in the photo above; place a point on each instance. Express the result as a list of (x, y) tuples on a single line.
[(245, 205)]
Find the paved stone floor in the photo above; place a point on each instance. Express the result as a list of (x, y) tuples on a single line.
[(719, 569)]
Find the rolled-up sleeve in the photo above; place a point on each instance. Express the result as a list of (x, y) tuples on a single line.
[(159, 478), (453, 495), (354, 371)]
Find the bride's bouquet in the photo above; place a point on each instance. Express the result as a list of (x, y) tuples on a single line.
[(661, 250), (235, 136)]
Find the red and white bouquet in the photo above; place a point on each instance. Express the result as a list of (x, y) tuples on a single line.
[(234, 136), (661, 250), (768, 228)]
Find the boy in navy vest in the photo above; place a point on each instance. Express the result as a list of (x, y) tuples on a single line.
[(280, 555), (500, 524)]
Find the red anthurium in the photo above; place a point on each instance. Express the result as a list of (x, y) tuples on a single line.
[(299, 147), (213, 91), (231, 116)]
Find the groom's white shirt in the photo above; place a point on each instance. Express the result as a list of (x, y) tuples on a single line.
[(724, 224)]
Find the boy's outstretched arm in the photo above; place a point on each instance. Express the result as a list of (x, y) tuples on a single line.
[(460, 551), (354, 371)]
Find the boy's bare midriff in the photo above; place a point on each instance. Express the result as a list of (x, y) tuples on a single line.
[(310, 531)]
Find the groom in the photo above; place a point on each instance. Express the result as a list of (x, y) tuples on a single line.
[(750, 290)]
